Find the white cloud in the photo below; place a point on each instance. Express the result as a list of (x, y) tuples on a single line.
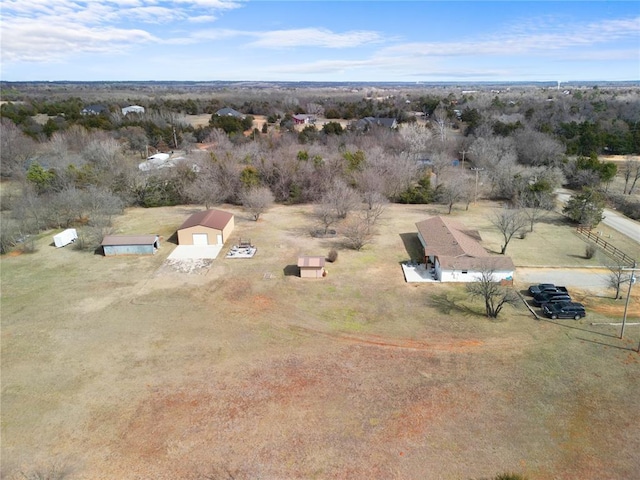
[(203, 19), (302, 37), (526, 39), (50, 30), (35, 42), (314, 37)]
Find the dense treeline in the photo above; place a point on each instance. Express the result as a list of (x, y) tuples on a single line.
[(521, 145)]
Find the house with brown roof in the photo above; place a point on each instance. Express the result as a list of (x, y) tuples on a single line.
[(455, 254), (209, 227), (311, 267)]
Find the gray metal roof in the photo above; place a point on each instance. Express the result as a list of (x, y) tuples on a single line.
[(114, 240)]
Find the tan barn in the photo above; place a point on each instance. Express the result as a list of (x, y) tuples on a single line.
[(210, 227), (311, 267)]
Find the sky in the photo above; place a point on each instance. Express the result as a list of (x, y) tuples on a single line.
[(341, 41)]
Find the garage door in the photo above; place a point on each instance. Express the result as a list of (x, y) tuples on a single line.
[(200, 239)]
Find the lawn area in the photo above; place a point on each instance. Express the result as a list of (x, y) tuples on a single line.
[(122, 368)]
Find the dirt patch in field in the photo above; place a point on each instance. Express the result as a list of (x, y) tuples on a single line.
[(320, 416)]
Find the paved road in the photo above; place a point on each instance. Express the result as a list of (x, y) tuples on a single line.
[(612, 219)]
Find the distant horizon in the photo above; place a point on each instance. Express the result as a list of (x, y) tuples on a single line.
[(551, 83), (315, 41)]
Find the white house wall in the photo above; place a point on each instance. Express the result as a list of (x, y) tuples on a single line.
[(470, 276)]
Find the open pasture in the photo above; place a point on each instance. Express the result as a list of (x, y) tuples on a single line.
[(122, 368)]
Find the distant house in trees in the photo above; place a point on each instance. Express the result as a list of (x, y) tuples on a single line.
[(94, 110), (303, 119), (229, 112), (455, 254), (367, 123), (133, 109)]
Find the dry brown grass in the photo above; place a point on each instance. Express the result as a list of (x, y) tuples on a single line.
[(126, 370)]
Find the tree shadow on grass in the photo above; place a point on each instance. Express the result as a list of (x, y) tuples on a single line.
[(413, 246), (450, 304), (573, 327)]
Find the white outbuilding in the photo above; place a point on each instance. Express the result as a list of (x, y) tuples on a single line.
[(133, 109), (65, 237)]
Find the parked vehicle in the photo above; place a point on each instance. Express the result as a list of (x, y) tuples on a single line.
[(550, 297), (546, 287), (564, 310)]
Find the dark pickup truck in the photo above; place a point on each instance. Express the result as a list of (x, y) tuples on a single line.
[(546, 287)]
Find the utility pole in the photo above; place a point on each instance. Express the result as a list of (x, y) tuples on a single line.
[(463, 152), (175, 139), (476, 169), (632, 280)]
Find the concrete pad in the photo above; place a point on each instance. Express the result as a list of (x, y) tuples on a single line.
[(417, 273), (190, 252)]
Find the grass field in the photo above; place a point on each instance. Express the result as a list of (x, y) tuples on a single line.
[(119, 368)]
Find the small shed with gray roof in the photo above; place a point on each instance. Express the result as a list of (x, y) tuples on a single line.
[(209, 227), (455, 254), (130, 244)]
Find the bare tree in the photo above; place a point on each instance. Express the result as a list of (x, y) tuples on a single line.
[(495, 296), (257, 200), (441, 163), (535, 205), (439, 118), (617, 277), (136, 139), (341, 197), (631, 172), (509, 222), (375, 206), (358, 232), (15, 148), (101, 205), (418, 140), (30, 210), (538, 148), (456, 188), (205, 190), (326, 216)]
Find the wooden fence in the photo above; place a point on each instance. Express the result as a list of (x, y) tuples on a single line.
[(606, 246)]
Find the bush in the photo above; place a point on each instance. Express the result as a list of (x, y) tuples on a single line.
[(90, 237), (333, 255), (28, 245), (590, 251)]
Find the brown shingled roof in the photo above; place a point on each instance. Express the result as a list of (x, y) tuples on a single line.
[(217, 219), (446, 237), (457, 247)]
